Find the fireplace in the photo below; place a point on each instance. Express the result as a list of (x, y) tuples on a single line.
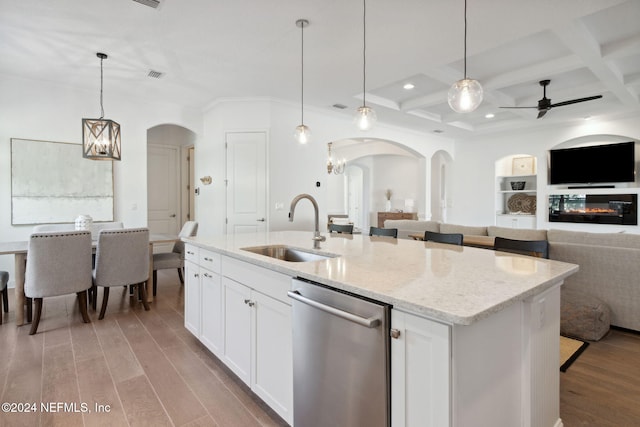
[(619, 209)]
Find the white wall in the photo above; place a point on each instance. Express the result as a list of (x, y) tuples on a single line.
[(473, 171), (39, 110), (293, 168)]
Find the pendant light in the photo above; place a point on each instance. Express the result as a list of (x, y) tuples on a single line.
[(101, 137), (365, 116), (302, 133), (465, 95)]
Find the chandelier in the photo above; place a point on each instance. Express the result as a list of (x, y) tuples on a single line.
[(336, 168), (101, 137)]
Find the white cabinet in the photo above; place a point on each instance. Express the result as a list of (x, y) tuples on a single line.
[(515, 221), (257, 332), (192, 298), (420, 371), (202, 297), (241, 313), (211, 310), (237, 328)]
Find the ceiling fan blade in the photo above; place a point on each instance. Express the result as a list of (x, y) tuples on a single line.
[(575, 101), (541, 113)]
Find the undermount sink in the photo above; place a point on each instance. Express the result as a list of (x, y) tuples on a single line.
[(288, 253)]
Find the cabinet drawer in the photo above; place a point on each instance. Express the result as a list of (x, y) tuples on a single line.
[(210, 260), (191, 253), (269, 282)]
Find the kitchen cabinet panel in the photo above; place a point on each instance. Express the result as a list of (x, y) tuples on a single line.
[(420, 371), (237, 328), (192, 298)]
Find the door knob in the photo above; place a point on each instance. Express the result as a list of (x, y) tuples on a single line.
[(172, 216)]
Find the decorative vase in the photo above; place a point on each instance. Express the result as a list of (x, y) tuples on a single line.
[(84, 222), (388, 206)]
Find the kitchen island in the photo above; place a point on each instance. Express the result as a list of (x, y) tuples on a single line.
[(476, 331)]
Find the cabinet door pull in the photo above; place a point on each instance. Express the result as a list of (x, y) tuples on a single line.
[(395, 333)]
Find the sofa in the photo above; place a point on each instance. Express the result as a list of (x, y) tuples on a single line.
[(606, 289)]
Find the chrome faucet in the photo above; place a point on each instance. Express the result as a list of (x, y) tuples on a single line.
[(317, 238)]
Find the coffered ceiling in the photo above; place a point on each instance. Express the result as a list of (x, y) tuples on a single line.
[(206, 50)]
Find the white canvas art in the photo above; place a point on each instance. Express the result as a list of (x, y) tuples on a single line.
[(52, 183)]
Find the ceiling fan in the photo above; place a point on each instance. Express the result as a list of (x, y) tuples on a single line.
[(545, 104)]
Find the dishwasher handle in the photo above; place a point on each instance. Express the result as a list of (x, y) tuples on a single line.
[(370, 322)]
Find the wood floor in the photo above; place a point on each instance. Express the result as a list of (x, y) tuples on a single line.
[(134, 368), (602, 387), (137, 368)]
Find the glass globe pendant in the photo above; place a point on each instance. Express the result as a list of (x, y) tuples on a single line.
[(465, 95), (365, 118), (302, 134)]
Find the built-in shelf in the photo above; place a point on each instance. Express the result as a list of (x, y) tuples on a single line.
[(515, 207)]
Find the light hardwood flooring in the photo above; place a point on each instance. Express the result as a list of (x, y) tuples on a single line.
[(602, 387), (142, 368), (150, 370)]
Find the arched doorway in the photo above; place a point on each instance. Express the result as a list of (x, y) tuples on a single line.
[(170, 156)]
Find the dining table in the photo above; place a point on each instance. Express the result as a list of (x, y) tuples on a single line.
[(19, 249)]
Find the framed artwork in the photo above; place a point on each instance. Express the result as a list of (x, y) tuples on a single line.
[(52, 183), (523, 166)]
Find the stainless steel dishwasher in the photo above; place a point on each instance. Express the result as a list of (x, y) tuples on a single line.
[(341, 368)]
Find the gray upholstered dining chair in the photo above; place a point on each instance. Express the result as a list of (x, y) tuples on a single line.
[(122, 259), (46, 228), (59, 263), (175, 258), (4, 280)]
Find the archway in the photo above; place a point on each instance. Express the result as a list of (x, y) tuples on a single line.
[(170, 153)]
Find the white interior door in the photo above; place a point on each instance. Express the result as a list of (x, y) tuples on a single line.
[(246, 182), (354, 184), (163, 179)]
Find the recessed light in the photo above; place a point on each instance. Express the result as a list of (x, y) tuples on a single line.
[(489, 116), (408, 86)]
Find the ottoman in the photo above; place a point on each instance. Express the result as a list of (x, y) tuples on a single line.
[(583, 316)]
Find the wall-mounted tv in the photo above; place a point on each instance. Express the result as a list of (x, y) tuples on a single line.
[(607, 163)]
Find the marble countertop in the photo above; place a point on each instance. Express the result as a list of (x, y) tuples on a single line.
[(453, 284)]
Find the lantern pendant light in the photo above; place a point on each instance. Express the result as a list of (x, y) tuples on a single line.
[(302, 133), (365, 116), (465, 95), (101, 137)]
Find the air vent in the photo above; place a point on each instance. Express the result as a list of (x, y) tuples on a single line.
[(155, 74), (151, 3), (339, 106)]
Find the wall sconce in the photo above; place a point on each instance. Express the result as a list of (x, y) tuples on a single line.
[(206, 180)]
